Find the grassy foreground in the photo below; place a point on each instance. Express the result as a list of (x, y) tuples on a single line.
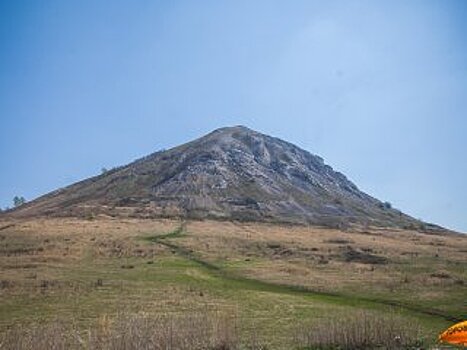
[(259, 285)]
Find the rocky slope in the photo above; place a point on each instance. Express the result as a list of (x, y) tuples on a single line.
[(231, 173)]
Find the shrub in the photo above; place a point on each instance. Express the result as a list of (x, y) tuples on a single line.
[(201, 331), (361, 330), (17, 201)]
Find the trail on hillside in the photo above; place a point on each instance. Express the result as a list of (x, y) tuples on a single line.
[(7, 226), (255, 284)]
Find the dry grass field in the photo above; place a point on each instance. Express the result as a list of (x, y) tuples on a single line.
[(264, 284)]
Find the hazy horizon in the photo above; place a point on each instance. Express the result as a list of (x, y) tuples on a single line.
[(377, 89)]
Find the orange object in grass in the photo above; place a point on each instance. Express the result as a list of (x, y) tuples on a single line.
[(456, 335)]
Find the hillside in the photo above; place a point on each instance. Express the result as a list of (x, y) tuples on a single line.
[(232, 173), (252, 285)]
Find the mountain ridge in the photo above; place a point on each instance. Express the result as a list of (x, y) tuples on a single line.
[(231, 173)]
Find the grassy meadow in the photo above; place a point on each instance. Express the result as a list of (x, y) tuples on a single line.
[(223, 285)]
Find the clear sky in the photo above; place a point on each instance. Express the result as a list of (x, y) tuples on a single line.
[(377, 88)]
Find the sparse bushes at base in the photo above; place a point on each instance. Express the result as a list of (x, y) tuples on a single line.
[(360, 330), (133, 332), (128, 333)]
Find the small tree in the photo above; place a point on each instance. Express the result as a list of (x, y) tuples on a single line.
[(385, 205), (104, 170), (17, 201)]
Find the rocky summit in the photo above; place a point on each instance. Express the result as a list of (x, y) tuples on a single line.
[(232, 173)]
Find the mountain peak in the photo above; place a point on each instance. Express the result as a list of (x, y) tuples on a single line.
[(231, 129), (232, 173)]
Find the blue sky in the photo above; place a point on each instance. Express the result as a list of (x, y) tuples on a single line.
[(377, 88)]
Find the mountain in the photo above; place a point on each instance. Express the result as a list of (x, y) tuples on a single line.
[(233, 173)]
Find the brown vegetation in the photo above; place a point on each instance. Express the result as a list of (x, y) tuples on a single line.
[(132, 332), (212, 331), (361, 330)]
